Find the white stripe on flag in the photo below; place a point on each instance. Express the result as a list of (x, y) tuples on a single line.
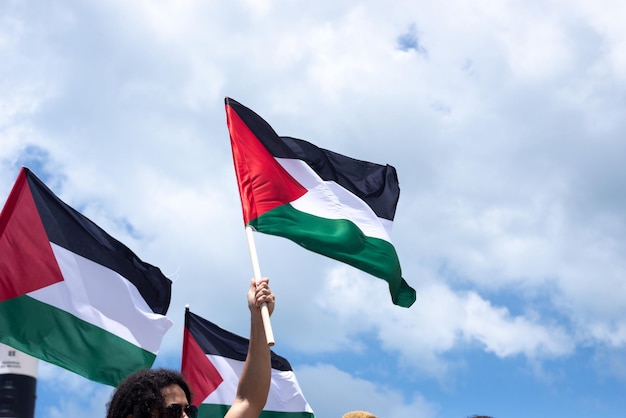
[(105, 299), (339, 203), (285, 394)]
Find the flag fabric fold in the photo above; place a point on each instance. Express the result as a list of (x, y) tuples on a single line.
[(212, 362), (329, 203), (72, 295)]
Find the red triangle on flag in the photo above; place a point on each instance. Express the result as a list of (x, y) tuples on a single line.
[(27, 262), (263, 183), (200, 373)]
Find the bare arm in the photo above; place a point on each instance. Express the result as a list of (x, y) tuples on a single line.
[(254, 382)]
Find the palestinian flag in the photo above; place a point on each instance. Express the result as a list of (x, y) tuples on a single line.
[(326, 202), (213, 359), (72, 295)]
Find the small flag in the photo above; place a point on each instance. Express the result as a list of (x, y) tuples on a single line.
[(213, 359), (72, 295), (331, 204)]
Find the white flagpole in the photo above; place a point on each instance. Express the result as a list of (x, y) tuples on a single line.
[(265, 313)]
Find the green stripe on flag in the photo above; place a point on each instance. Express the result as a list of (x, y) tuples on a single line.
[(342, 240), (213, 411), (60, 338)]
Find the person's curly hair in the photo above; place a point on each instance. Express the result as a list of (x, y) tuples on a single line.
[(140, 393)]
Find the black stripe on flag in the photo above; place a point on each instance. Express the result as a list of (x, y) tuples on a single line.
[(214, 340), (69, 229), (375, 184)]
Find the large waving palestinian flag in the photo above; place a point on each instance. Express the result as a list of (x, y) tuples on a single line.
[(213, 359), (72, 295), (326, 202)]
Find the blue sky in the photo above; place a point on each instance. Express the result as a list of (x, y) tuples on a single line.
[(505, 121)]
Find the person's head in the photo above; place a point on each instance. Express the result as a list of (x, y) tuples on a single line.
[(358, 414), (158, 393)]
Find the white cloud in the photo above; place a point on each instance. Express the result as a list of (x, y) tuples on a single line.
[(357, 394), (85, 398), (507, 136), (440, 320), (505, 335)]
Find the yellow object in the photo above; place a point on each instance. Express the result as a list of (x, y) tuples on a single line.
[(358, 414)]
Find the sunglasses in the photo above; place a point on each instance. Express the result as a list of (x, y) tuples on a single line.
[(175, 410)]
